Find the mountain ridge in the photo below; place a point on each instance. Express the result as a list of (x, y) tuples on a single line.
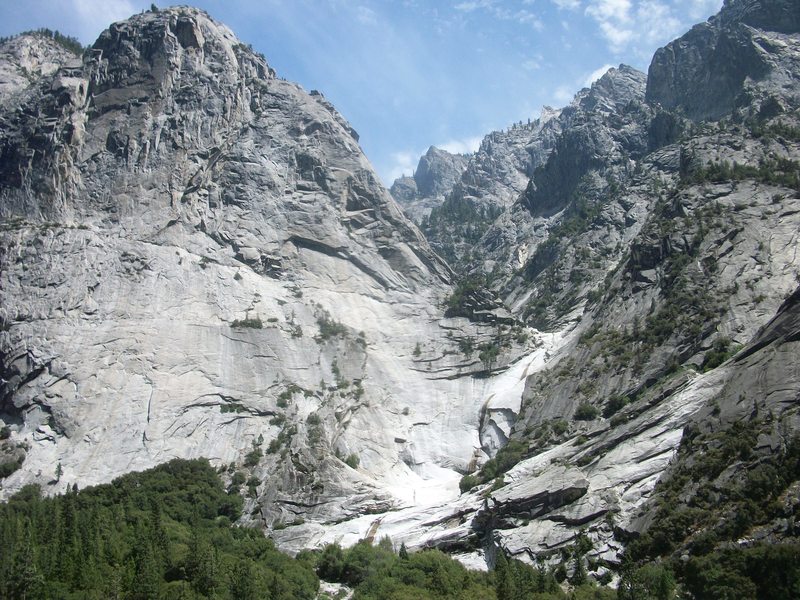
[(232, 281)]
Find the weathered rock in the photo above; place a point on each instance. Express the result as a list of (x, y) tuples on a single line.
[(694, 75), (197, 260), (436, 173)]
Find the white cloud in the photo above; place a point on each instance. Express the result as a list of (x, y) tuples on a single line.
[(521, 16), (366, 15), (640, 25), (563, 95), (403, 163), (533, 63), (567, 4), (92, 17), (473, 5), (463, 146), (700, 9), (595, 75), (526, 17), (659, 22), (610, 10)]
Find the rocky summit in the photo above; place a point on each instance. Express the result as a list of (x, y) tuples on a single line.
[(589, 338)]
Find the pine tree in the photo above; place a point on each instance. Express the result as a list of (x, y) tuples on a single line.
[(403, 554)]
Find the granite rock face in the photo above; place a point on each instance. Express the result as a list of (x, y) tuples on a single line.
[(492, 181), (198, 260), (695, 76), (436, 173)]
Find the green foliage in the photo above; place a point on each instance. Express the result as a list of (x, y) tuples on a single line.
[(456, 225), (586, 412), (457, 302), (468, 482), (8, 467), (377, 573), (718, 491), (352, 461), (763, 571), (508, 456), (65, 41), (775, 171), (488, 354), (328, 328), (247, 322), (721, 350), (615, 404), (253, 457), (162, 533), (649, 582)]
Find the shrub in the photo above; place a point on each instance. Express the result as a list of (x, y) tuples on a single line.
[(614, 404), (9, 467), (328, 328), (586, 412), (352, 461), (468, 482), (252, 458), (488, 354), (254, 323)]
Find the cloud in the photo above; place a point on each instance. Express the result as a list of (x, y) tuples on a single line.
[(473, 5), (595, 75), (521, 16), (699, 9), (610, 10), (366, 15), (402, 163), (463, 146), (534, 63), (526, 17), (562, 95), (567, 4), (639, 25), (91, 17)]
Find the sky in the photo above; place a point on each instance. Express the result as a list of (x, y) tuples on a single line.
[(408, 74)]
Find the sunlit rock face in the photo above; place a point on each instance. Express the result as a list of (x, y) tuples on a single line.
[(436, 173), (196, 259)]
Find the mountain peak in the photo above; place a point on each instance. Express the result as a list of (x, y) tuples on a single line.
[(614, 90), (155, 44), (724, 63)]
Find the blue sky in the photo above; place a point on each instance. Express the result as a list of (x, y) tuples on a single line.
[(408, 74)]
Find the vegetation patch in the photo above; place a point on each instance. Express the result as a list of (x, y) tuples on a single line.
[(162, 533), (247, 323)]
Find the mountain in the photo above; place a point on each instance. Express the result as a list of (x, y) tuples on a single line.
[(197, 260), (654, 239), (436, 173), (468, 201)]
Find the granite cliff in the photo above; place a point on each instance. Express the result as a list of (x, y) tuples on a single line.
[(198, 260)]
